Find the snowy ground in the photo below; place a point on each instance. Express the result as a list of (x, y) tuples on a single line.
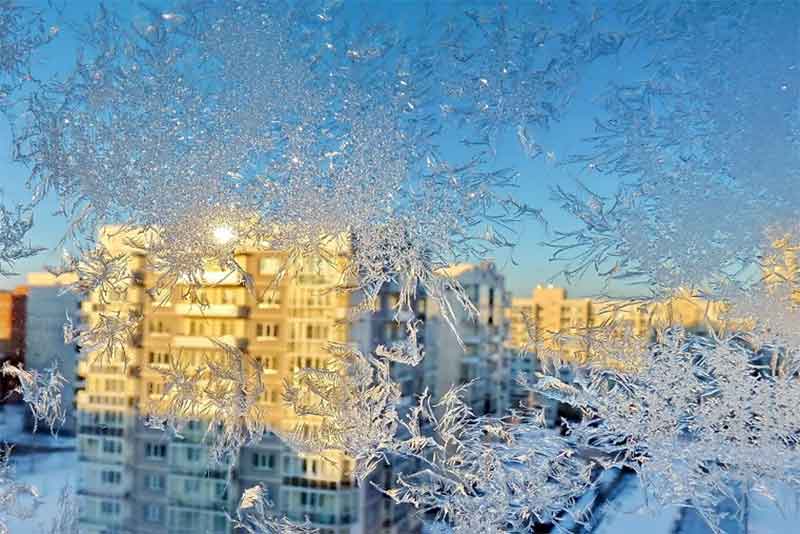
[(47, 462), (50, 472), (627, 513), (11, 431)]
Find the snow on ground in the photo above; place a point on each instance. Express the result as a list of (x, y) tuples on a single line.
[(45, 461), (627, 513), (11, 431), (49, 472), (781, 517)]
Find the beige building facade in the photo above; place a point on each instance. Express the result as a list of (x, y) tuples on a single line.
[(135, 479)]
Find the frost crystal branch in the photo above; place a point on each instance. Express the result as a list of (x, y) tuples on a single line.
[(223, 392), (17, 500), (356, 399), (41, 392), (13, 227), (255, 516)]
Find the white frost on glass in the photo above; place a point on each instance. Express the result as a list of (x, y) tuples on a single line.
[(17, 500), (42, 392), (255, 515)]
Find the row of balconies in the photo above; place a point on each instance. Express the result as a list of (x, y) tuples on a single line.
[(203, 342), (212, 310), (99, 489), (321, 519)]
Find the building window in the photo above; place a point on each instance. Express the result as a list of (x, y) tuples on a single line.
[(270, 299), (192, 454), (158, 358), (158, 327), (153, 513), (220, 523), (155, 451), (188, 518), (155, 482), (111, 477), (228, 296), (110, 508), (111, 446), (191, 485), (269, 265), (264, 462), (316, 332), (197, 327), (114, 385), (308, 362), (267, 362), (267, 330)]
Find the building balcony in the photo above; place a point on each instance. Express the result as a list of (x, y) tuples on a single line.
[(99, 489), (212, 310), (101, 457), (202, 342), (473, 339), (222, 278), (206, 503), (86, 368)]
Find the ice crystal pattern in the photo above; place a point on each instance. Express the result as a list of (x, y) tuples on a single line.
[(223, 392), (221, 125), (703, 191), (484, 474), (693, 420), (42, 392), (255, 515), (17, 500)]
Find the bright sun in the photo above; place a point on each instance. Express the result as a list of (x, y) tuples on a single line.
[(224, 235)]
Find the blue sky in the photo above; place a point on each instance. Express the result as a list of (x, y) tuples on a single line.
[(537, 177)]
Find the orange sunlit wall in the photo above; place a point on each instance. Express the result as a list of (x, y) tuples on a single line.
[(12, 334)]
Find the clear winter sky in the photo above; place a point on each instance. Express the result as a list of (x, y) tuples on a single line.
[(537, 177)]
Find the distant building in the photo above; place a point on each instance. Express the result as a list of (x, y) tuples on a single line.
[(138, 480), (12, 336), (550, 317), (483, 357), (780, 265), (550, 326), (49, 307)]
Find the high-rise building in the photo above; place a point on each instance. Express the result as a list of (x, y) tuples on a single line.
[(483, 359), (48, 308), (549, 325), (136, 479), (780, 265), (542, 320), (12, 336)]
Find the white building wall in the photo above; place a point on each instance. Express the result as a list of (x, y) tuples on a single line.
[(48, 309)]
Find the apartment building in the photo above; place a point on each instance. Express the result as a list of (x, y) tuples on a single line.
[(549, 325), (481, 356), (48, 307), (780, 265), (135, 479), (12, 336), (545, 320)]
